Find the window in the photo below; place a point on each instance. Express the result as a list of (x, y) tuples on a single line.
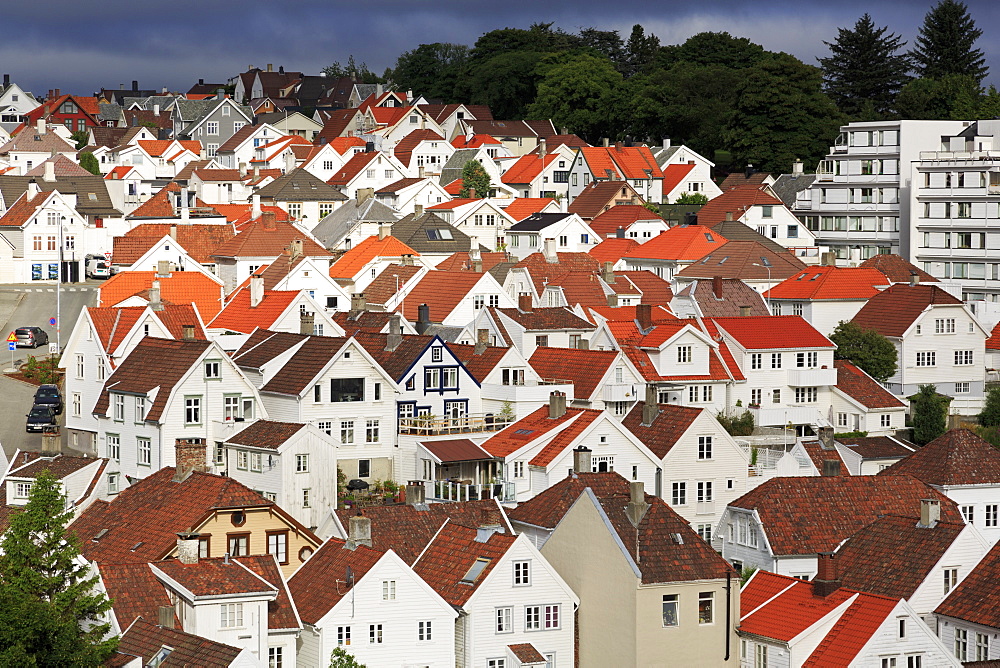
[(301, 463), (436, 353), (423, 630), (963, 388), (239, 545), (256, 462), (347, 431), (212, 128), (968, 513), (79, 366), (522, 573), (926, 358), (219, 455), (364, 468), (119, 407), (77, 404), (776, 396), (277, 545), (375, 634), (914, 661), (518, 469), (275, 655), (532, 618), (22, 490), (704, 447), (551, 617), (767, 211), (775, 360), (963, 357), (212, 370), (950, 579), (371, 431), (678, 495), (683, 354), (542, 341), (670, 609), (760, 656), (432, 379), (944, 326), (991, 515), (902, 628), (505, 621), (889, 662), (113, 481), (140, 409), (388, 590), (144, 450), (807, 360), (961, 643), (982, 647), (705, 492), (705, 531), (706, 607), (232, 615), (306, 495), (885, 420), (242, 457), (347, 389), (496, 663), (192, 410), (806, 395), (343, 635), (797, 309)]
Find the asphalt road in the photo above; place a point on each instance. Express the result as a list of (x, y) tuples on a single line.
[(20, 306)]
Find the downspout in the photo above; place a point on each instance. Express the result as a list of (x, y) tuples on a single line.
[(729, 608)]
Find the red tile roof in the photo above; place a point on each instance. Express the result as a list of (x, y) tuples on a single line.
[(773, 332), (654, 290), (612, 250), (746, 260), (383, 287), (607, 223), (460, 261), (993, 343), (453, 552), (852, 632), (807, 515), (266, 434), (736, 201), (343, 144), (319, 584), (475, 141), (145, 640), (540, 269), (134, 591), (350, 263), (600, 196), (818, 283), (239, 316), (527, 168), (260, 239), (522, 207), (673, 175), (818, 455), (864, 389), (479, 365), (975, 598), (23, 209), (669, 425), (957, 457), (545, 318), (896, 269), (240, 214), (179, 287), (892, 311), (455, 203), (526, 653), (404, 149), (199, 240), (456, 450), (281, 612), (218, 576), (442, 291), (583, 368), (684, 243)]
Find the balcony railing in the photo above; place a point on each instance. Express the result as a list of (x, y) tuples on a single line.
[(449, 490), (811, 377), (620, 392), (433, 425)]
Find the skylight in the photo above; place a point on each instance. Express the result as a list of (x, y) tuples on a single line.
[(525, 432), (764, 261), (477, 569), (708, 235)]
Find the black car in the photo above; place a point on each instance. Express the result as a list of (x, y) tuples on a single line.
[(39, 418), (31, 337), (49, 395)]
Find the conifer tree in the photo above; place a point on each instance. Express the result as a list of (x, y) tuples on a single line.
[(946, 43)]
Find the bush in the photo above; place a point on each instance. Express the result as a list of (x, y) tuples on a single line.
[(929, 410), (851, 434), (990, 416), (737, 424), (44, 371)]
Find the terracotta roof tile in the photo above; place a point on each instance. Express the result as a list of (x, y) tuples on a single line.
[(607, 223), (526, 653), (239, 316), (654, 290), (133, 590), (746, 260), (453, 552), (304, 365), (879, 447), (735, 201), (354, 260), (976, 599), (179, 287), (281, 612), (554, 317), (670, 423), (673, 175), (442, 291), (807, 515), (864, 389), (735, 294), (479, 365), (63, 166), (785, 615), (352, 168), (540, 269), (60, 466), (23, 209), (818, 456), (145, 640), (817, 283), (892, 311), (773, 332), (527, 168), (266, 434), (199, 240), (612, 249), (685, 243), (456, 450), (240, 214), (740, 179), (957, 457), (599, 196), (475, 141), (404, 148), (583, 368), (852, 632), (896, 269), (218, 576), (522, 207), (264, 345), (383, 287), (460, 261), (260, 239)]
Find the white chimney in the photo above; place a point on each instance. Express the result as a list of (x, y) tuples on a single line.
[(187, 548), (797, 168), (49, 168), (32, 189), (156, 110), (550, 251), (289, 162), (256, 290), (254, 207), (40, 126), (384, 230)]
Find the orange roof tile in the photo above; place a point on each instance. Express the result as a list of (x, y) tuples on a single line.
[(673, 175), (343, 144), (179, 287), (830, 283), (684, 243), (527, 168), (239, 316), (450, 556), (442, 291), (475, 141), (260, 239), (240, 213), (455, 187), (199, 240), (735, 201), (607, 223), (522, 207), (583, 368), (354, 260), (455, 203), (352, 168), (773, 332), (404, 149), (23, 209)]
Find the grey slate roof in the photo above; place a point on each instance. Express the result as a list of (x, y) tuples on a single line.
[(12, 187), (331, 230), (538, 221), (663, 154), (734, 230), (148, 102), (109, 111), (453, 168), (787, 186), (412, 231), (300, 186)]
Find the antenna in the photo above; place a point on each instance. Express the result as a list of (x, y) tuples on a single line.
[(349, 577)]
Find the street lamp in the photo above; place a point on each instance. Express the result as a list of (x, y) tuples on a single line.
[(62, 222), (768, 267)]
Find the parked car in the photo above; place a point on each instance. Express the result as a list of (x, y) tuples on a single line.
[(49, 395), (31, 337), (97, 267), (39, 418)]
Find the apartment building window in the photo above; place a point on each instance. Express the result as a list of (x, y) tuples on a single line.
[(991, 515), (756, 360), (232, 615), (950, 579), (806, 395), (144, 449), (807, 360), (683, 354), (927, 358), (706, 607), (424, 631), (963, 357), (114, 447), (944, 326), (678, 494), (347, 431), (704, 447), (522, 573), (505, 620), (343, 635), (775, 360), (670, 609), (961, 643)]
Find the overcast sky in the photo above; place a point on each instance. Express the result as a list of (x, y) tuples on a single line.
[(82, 46)]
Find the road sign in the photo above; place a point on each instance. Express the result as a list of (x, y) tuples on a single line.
[(12, 338), (52, 321), (53, 348), (11, 345)]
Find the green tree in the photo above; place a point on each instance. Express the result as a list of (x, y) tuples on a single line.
[(360, 73), (581, 91), (89, 162), (640, 51), (715, 48), (946, 43), (431, 69), (54, 595), (990, 415), (929, 414), (866, 349), (951, 97), (780, 114), (692, 198), (506, 82), (607, 43), (864, 68), (341, 658), (81, 137), (474, 178)]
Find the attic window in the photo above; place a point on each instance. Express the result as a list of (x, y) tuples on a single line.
[(764, 261), (92, 197), (679, 539), (439, 234), (711, 239), (707, 258), (815, 277), (524, 432), (160, 656), (477, 569)]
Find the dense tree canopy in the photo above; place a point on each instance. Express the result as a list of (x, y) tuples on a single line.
[(580, 91), (475, 180), (930, 414), (865, 348), (946, 43)]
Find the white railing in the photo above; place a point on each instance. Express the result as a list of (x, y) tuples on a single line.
[(449, 490), (811, 377), (433, 425), (620, 392)]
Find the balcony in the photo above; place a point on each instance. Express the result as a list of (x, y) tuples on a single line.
[(433, 425), (781, 416), (811, 377), (620, 392), (705, 508), (451, 490)]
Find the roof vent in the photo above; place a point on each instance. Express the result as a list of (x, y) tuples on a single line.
[(678, 539)]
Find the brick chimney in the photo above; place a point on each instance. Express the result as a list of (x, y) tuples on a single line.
[(717, 286), (187, 547), (482, 341), (191, 455), (651, 407), (267, 219), (644, 316), (524, 303), (827, 578), (416, 493), (557, 405), (637, 506), (581, 459), (359, 531), (607, 273)]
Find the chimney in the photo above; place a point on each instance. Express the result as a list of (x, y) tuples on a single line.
[(605, 142), (173, 231), (49, 168), (423, 318), (6, 80), (666, 142), (51, 441), (418, 210), (255, 209), (749, 171), (289, 162), (201, 82), (472, 193), (482, 341), (40, 126), (220, 94), (581, 459), (826, 438), (358, 302), (270, 67), (831, 468), (191, 455), (729, 216), (187, 332), (165, 614), (256, 290), (620, 232), (549, 250), (395, 335), (930, 513), (524, 303), (256, 171), (359, 531), (184, 203), (744, 311), (557, 405), (154, 294), (281, 69), (717, 286), (187, 547), (541, 147), (583, 344), (651, 407), (406, 259), (477, 266), (268, 221), (637, 506), (416, 493), (644, 316), (162, 269), (307, 322), (384, 230), (608, 274), (827, 578), (135, 85), (32, 189), (914, 278), (420, 172), (243, 172), (797, 168), (612, 301)]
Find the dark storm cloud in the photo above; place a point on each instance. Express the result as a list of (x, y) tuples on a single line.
[(81, 47)]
